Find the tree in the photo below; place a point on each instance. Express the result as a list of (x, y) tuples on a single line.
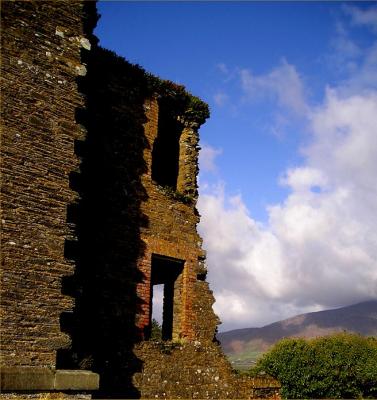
[(337, 366)]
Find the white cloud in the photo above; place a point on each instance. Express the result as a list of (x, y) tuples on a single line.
[(364, 77), (356, 58), (345, 47), (362, 16), (319, 247), (283, 83), (207, 158), (303, 178), (345, 139), (345, 52), (220, 98), (222, 68)]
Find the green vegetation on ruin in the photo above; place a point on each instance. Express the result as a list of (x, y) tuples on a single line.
[(182, 103)]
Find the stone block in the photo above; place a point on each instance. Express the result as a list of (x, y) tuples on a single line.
[(27, 378), (36, 378), (76, 380)]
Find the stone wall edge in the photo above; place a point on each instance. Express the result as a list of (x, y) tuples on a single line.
[(36, 379)]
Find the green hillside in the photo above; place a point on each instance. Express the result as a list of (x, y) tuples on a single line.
[(244, 346)]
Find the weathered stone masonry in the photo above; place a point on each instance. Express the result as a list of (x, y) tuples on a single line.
[(41, 60), (171, 230), (93, 217)]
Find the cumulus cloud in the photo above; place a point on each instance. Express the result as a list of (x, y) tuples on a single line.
[(304, 178), (318, 248), (283, 83), (207, 158), (345, 139)]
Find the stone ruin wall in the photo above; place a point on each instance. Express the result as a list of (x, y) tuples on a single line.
[(83, 219), (40, 63), (171, 232), (192, 365)]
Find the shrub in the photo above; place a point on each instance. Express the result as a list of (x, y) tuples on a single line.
[(156, 330), (337, 366)]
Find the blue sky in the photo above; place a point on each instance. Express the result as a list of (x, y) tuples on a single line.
[(281, 79)]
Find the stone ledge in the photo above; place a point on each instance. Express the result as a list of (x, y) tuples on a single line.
[(36, 378)]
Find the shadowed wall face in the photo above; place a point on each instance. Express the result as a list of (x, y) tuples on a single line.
[(133, 231), (108, 220)]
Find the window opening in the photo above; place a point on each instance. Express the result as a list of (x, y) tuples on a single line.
[(166, 285), (165, 152)]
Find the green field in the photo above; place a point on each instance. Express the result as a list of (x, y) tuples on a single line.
[(245, 360)]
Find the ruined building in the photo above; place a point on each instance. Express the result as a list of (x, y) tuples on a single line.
[(99, 167)]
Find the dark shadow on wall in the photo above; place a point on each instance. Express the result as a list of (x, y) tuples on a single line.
[(108, 221)]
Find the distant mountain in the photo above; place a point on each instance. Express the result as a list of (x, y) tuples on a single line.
[(243, 346)]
